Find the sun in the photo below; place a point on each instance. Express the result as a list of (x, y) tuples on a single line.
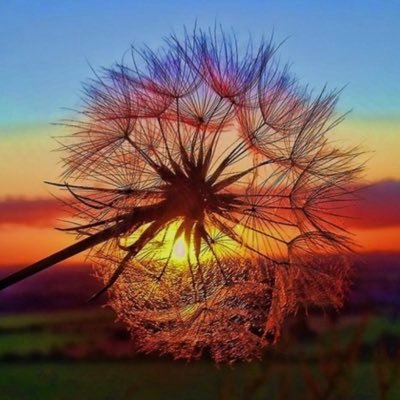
[(165, 247), (175, 250), (180, 250)]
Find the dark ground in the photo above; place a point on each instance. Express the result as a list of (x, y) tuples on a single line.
[(53, 345)]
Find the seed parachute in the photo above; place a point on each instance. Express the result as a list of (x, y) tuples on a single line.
[(206, 186)]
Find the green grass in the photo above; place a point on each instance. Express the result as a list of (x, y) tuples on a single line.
[(44, 333), (28, 343), (375, 328), (41, 333), (58, 317), (27, 376), (107, 381), (167, 380)]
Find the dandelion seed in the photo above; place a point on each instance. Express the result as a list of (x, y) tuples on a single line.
[(204, 182)]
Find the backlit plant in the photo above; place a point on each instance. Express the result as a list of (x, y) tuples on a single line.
[(204, 181)]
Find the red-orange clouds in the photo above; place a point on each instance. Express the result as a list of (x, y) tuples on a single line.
[(30, 212), (375, 222), (379, 206)]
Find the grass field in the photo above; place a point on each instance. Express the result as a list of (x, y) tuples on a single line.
[(163, 380), (86, 355)]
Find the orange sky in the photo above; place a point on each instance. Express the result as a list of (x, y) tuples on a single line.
[(27, 159)]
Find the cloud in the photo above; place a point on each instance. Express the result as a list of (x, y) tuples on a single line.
[(379, 206), (31, 212)]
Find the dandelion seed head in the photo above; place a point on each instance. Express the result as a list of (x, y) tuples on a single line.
[(214, 171)]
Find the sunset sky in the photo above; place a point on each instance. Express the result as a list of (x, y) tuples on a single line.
[(47, 48)]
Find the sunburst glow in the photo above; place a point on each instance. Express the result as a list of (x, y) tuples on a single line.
[(170, 246)]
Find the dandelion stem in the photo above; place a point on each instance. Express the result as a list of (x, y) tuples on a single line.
[(57, 257)]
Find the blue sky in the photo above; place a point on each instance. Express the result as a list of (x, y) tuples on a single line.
[(46, 46)]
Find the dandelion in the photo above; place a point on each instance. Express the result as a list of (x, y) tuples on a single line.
[(204, 182)]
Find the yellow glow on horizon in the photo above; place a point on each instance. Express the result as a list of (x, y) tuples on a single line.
[(379, 137), (27, 158)]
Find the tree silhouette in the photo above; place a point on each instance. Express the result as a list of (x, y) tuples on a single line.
[(203, 180)]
